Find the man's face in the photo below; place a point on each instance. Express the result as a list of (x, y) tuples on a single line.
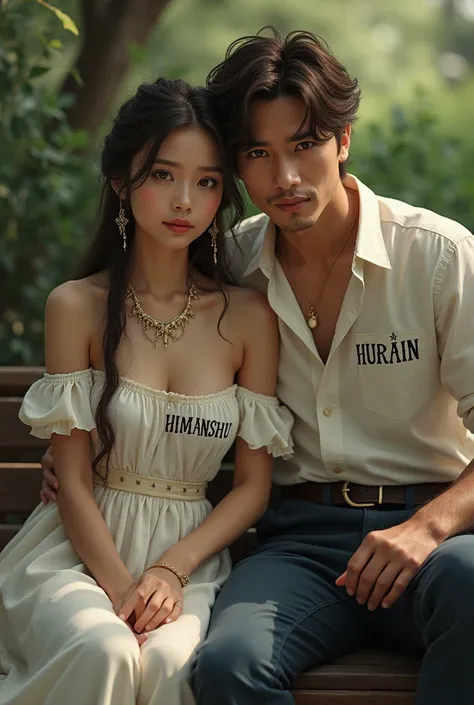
[(291, 179)]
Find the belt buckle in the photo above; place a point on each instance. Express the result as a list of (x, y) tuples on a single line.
[(360, 505)]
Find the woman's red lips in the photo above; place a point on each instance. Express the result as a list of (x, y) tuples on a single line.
[(179, 225), (179, 221)]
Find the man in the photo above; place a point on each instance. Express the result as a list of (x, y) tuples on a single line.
[(370, 539)]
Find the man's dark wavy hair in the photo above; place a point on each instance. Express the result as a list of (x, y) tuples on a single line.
[(299, 64)]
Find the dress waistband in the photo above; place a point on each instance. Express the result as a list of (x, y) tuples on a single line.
[(155, 486)]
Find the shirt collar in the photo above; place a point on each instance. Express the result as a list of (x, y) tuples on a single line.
[(264, 257), (370, 244)]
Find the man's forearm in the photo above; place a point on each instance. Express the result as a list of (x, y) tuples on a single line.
[(452, 512)]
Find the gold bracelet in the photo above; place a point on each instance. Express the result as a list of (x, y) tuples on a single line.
[(183, 579)]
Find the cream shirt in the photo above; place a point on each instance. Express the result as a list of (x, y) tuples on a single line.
[(394, 403)]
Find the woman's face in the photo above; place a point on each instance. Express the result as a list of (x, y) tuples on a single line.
[(179, 199)]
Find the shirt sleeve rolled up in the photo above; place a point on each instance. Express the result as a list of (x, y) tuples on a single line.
[(454, 319)]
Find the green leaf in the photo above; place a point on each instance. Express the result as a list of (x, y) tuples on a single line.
[(77, 76), (67, 21), (38, 71)]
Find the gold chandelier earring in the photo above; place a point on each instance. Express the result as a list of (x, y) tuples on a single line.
[(122, 221), (214, 232)]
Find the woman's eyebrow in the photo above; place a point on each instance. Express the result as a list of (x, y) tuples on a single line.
[(177, 165)]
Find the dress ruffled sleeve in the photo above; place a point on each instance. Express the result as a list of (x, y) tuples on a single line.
[(264, 422), (58, 403)]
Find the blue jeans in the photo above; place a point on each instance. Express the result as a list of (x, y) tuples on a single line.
[(281, 613)]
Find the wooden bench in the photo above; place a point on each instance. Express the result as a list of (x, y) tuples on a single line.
[(364, 678)]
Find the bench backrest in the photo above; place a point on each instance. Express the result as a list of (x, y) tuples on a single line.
[(20, 477), (16, 443)]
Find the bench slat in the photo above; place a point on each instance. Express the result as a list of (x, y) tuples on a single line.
[(16, 442), (19, 487), (389, 658), (364, 670), (353, 697), (14, 381)]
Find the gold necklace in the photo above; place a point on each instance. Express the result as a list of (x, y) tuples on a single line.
[(174, 328), (313, 318)]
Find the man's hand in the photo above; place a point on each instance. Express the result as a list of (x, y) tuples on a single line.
[(50, 481), (386, 562), (155, 599)]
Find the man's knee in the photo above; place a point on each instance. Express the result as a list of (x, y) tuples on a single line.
[(449, 582), (221, 658), (234, 662)]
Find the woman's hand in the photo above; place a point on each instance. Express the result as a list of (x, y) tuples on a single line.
[(154, 599), (117, 600)]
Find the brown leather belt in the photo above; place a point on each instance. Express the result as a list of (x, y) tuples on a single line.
[(343, 494)]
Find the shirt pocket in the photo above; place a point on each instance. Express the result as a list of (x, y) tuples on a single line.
[(394, 375)]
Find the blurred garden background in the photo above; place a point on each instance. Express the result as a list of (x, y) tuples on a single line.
[(65, 67)]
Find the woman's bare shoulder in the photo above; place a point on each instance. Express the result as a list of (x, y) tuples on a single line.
[(71, 323), (79, 296)]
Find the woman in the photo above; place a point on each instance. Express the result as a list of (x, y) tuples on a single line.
[(154, 366)]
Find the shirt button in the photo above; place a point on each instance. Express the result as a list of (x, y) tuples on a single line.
[(337, 471), (327, 411)]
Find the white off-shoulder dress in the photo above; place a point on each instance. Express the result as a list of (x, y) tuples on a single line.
[(60, 640)]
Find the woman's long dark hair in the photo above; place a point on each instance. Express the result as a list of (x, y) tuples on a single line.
[(145, 121)]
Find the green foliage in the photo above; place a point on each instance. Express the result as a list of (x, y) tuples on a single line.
[(412, 159), (45, 197), (392, 46)]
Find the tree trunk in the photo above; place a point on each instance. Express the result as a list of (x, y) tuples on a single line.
[(109, 27)]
